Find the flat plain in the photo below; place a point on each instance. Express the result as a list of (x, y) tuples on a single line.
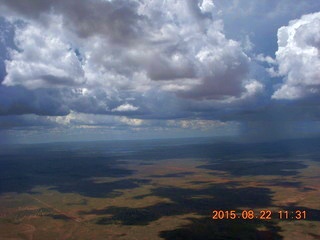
[(161, 189)]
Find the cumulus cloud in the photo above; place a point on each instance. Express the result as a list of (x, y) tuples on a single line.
[(260, 57), (76, 119), (196, 124), (131, 121), (42, 60), (206, 6), (125, 108), (197, 53), (184, 43), (123, 63), (130, 58), (298, 57), (116, 20)]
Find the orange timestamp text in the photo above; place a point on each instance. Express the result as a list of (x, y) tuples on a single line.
[(265, 214)]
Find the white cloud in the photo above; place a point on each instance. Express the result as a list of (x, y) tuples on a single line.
[(267, 59), (125, 108), (42, 59), (206, 6), (195, 124), (99, 120), (131, 121), (252, 87), (201, 60), (298, 57)]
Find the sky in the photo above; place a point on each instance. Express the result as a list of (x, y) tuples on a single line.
[(81, 70)]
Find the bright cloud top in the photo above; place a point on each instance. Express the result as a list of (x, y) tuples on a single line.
[(299, 57)]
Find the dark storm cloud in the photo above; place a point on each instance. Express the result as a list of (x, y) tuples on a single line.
[(163, 69), (118, 20), (25, 122), (29, 8), (18, 100)]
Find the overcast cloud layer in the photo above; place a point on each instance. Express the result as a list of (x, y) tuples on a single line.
[(140, 66)]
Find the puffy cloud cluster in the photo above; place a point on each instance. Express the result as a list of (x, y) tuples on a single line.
[(42, 60), (196, 124), (84, 62), (122, 45), (298, 57)]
